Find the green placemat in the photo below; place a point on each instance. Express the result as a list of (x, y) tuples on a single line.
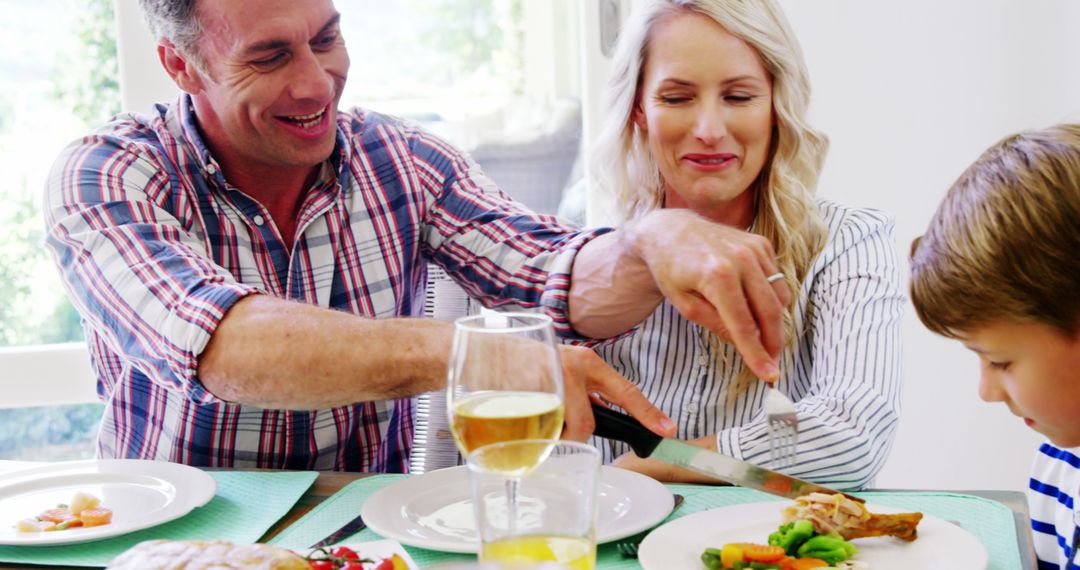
[(244, 507), (990, 521)]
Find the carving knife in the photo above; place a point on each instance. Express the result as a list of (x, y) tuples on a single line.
[(618, 426)]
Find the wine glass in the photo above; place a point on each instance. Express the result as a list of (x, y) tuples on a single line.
[(505, 383)]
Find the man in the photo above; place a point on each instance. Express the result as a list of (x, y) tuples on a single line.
[(242, 258)]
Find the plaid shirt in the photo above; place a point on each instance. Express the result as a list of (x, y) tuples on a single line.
[(154, 246)]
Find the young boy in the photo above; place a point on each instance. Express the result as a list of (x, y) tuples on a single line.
[(999, 269)]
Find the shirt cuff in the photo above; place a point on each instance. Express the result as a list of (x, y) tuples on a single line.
[(192, 323), (727, 442), (556, 297)]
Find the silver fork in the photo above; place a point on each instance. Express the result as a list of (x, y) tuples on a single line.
[(783, 428), (628, 547)]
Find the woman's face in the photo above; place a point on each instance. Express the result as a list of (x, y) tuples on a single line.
[(705, 104)]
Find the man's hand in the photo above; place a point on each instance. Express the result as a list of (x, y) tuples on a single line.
[(585, 374), (715, 275)]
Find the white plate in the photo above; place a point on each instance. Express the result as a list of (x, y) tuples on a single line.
[(140, 493), (374, 549), (433, 510), (941, 545)]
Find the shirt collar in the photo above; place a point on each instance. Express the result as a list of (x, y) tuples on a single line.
[(189, 131)]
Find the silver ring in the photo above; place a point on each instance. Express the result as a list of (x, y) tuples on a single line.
[(774, 277)]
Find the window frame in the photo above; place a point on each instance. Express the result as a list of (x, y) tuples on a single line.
[(47, 375)]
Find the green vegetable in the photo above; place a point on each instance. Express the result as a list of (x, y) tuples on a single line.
[(711, 558), (829, 547), (792, 535)]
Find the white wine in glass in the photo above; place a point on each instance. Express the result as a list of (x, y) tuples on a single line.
[(505, 383)]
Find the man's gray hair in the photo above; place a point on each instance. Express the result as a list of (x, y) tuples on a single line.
[(176, 21)]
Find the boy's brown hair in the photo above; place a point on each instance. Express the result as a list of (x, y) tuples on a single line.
[(1004, 245)]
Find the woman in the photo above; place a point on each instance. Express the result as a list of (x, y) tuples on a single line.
[(708, 102)]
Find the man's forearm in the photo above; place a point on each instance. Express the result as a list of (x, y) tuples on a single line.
[(272, 353), (611, 288)]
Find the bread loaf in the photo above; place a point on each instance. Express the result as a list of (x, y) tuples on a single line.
[(206, 555)]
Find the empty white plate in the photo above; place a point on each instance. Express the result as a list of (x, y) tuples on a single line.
[(434, 511), (140, 493)]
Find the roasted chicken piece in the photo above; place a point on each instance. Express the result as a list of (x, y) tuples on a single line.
[(836, 513)]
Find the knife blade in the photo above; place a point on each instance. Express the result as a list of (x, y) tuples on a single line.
[(614, 425), (350, 528)]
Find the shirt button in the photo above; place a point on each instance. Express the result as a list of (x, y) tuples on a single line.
[(211, 169), (259, 221), (691, 407), (703, 360)]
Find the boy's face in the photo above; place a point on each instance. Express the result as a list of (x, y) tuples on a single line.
[(1035, 370)]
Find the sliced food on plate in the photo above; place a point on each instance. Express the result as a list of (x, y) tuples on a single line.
[(84, 510), (815, 533)]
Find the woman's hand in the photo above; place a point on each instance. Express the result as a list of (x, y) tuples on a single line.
[(716, 276)]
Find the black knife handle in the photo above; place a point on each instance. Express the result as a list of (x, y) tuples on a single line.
[(621, 427)]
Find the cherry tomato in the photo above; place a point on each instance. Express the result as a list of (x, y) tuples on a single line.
[(385, 564), (321, 564), (351, 565), (344, 552)]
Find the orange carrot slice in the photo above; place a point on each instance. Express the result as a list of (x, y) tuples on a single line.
[(761, 552), (56, 515), (805, 564), (96, 517)]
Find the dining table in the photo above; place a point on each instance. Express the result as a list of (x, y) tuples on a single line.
[(328, 486)]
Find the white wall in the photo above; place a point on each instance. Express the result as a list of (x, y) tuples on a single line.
[(910, 93)]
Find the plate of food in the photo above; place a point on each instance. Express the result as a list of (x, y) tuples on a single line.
[(82, 501), (180, 554), (834, 530), (434, 511)]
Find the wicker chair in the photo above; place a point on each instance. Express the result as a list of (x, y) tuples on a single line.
[(534, 169), (529, 148), (433, 445)]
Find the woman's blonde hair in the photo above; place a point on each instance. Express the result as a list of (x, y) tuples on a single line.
[(1004, 245), (785, 210)]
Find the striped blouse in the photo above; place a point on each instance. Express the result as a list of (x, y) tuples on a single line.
[(843, 374), (154, 246), (1052, 493)]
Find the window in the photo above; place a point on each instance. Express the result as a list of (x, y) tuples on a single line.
[(480, 72), (433, 58), (58, 64), (496, 78)]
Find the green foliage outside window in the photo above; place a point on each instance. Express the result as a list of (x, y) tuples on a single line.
[(33, 306), (478, 37), (88, 84)]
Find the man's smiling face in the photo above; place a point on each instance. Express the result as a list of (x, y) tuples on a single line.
[(274, 72)]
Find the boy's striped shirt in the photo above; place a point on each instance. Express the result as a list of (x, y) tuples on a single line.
[(1052, 493)]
